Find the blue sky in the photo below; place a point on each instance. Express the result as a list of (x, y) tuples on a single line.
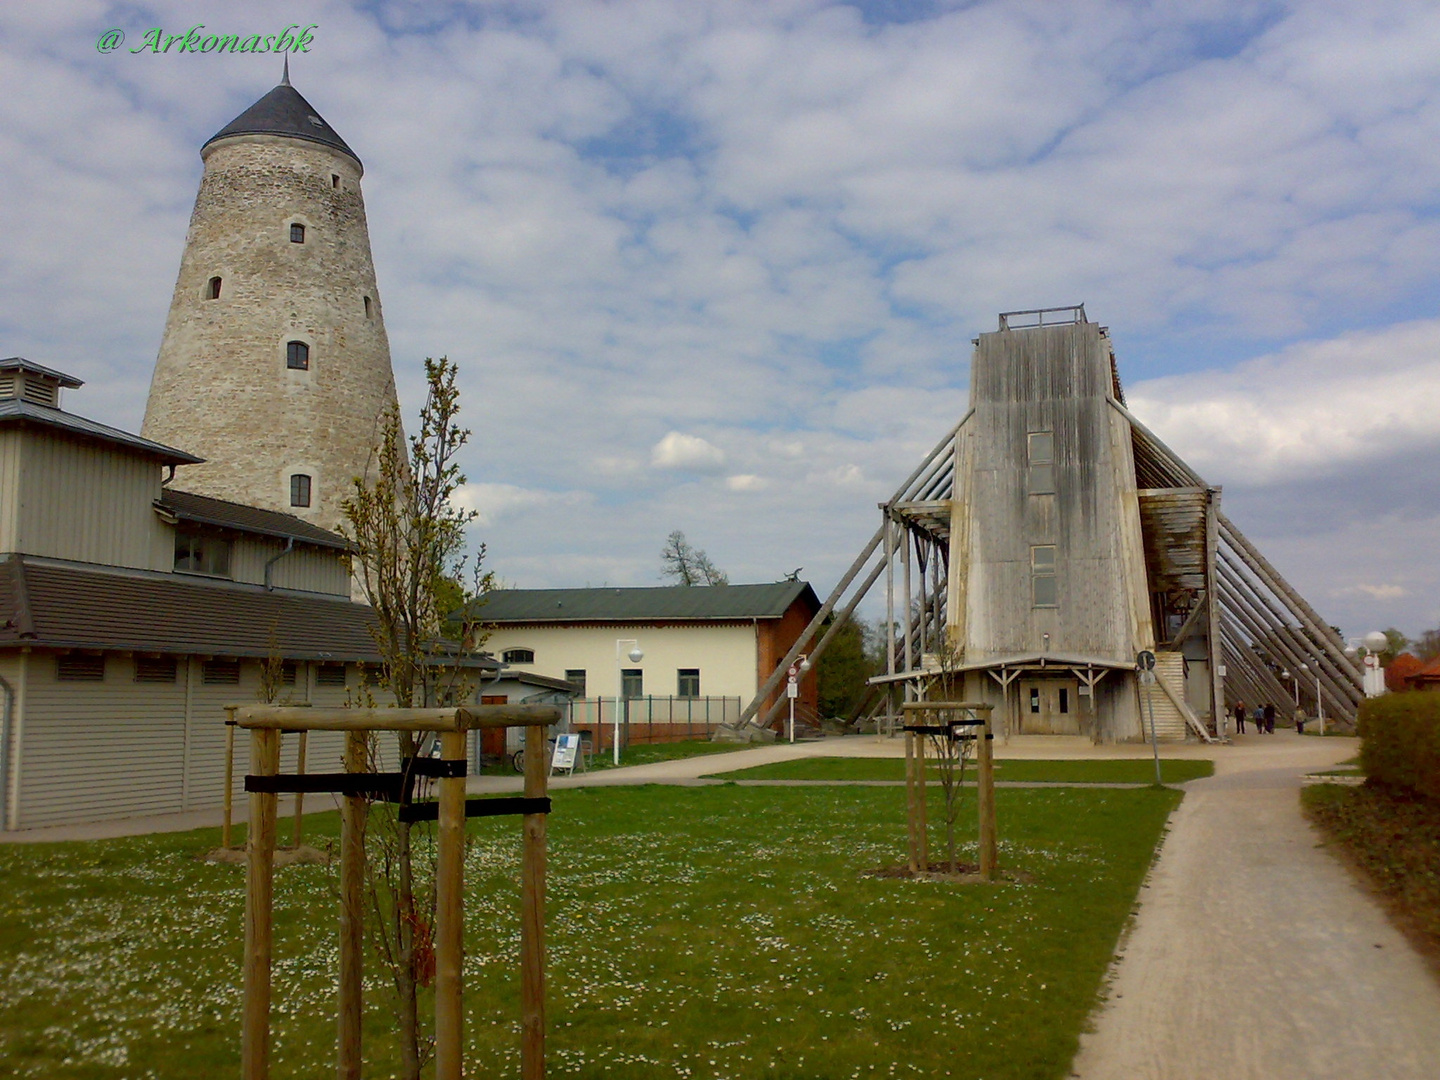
[(716, 266)]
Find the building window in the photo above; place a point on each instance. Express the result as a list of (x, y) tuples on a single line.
[(687, 682), (1042, 575), (212, 291), (75, 667), (576, 676), (518, 656), (297, 356), (197, 553), (155, 669), (220, 672), (288, 672), (367, 307), (299, 489), (334, 180), (1034, 700), (297, 233), (330, 675), (1040, 450), (1064, 699), (632, 683)]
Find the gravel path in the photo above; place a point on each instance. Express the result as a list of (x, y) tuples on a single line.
[(1255, 954)]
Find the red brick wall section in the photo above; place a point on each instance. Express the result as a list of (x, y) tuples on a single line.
[(773, 640)]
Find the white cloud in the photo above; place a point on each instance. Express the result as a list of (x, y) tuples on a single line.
[(494, 501), (746, 482), (687, 452), (1311, 408)]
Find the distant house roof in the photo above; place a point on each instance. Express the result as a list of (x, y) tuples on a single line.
[(284, 112), (18, 411), (674, 603), (46, 604), (203, 510)]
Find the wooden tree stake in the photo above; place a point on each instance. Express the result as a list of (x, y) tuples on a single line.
[(985, 788), (354, 811), (449, 912), (532, 914), (259, 894)]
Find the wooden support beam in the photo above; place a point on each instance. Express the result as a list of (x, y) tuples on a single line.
[(912, 814), (1341, 684), (291, 718), (1277, 638), (1309, 618), (802, 643), (259, 899), (1213, 647)]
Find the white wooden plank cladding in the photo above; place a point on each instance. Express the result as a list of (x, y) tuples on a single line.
[(92, 750), (89, 504), (11, 443), (88, 751), (302, 568)]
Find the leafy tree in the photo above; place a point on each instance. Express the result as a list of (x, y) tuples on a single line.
[(409, 538), (843, 668), (688, 565), (1427, 645)]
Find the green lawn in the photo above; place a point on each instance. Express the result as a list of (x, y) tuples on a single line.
[(693, 932), (648, 753), (1128, 771)]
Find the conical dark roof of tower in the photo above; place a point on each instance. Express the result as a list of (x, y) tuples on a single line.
[(284, 112)]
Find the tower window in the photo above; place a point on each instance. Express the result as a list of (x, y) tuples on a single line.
[(297, 233), (334, 180), (299, 489), (1042, 575), (367, 307), (1040, 451), (212, 291), (297, 356)]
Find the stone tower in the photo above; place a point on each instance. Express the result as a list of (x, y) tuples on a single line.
[(275, 365)]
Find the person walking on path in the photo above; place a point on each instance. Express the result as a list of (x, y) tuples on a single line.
[(1270, 719), (1240, 718)]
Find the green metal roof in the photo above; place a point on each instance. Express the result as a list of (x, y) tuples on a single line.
[(673, 603)]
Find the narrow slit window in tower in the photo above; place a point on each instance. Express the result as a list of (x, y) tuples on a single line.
[(367, 307), (212, 292), (297, 233), (297, 356), (334, 180), (299, 489)]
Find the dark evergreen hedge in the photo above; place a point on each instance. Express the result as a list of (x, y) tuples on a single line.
[(1400, 740)]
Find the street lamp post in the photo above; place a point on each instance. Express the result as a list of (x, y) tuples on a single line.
[(636, 655), (792, 687)]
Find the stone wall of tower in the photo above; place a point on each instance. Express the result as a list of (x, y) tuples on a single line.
[(222, 388)]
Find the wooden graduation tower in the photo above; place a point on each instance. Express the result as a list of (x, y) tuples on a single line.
[(1050, 537)]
